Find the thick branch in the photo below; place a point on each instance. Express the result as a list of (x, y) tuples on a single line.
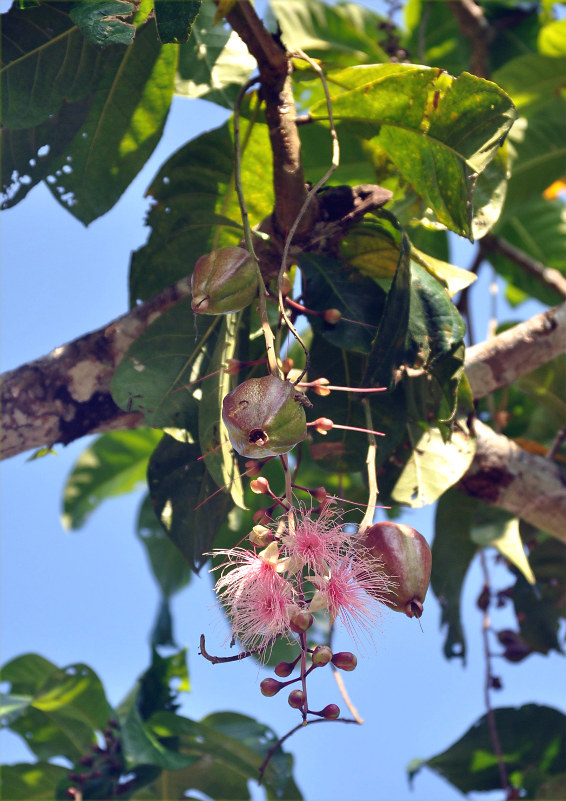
[(529, 486), (501, 360), (65, 395), (474, 26)]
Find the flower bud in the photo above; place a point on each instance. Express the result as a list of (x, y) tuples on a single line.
[(223, 281), (296, 699), (345, 660), (264, 417), (332, 316), (284, 669), (260, 485), (406, 557), (330, 712), (270, 687), (301, 622), (321, 655), (261, 536)]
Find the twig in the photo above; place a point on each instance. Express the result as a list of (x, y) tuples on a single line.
[(296, 728), (216, 660), (372, 475), (548, 276), (557, 442), (487, 684)]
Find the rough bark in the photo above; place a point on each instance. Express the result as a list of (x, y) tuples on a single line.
[(528, 486)]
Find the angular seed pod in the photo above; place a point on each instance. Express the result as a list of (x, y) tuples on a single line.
[(406, 557), (264, 417), (223, 281)]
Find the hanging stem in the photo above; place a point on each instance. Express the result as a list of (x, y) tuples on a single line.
[(308, 200), (372, 475), (266, 328)]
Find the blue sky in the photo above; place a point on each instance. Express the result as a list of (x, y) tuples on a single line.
[(88, 596)]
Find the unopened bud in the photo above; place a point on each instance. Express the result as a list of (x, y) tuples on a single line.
[(286, 366), (321, 655), (296, 699), (284, 669), (330, 712), (261, 536), (253, 468), (223, 281), (286, 285), (319, 387), (259, 485), (323, 425), (345, 660), (261, 517), (332, 316), (319, 494), (270, 687), (233, 366), (301, 622)]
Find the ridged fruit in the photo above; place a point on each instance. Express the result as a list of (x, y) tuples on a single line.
[(264, 417), (406, 557), (223, 281)]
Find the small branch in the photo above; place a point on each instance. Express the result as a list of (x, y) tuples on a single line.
[(217, 660), (548, 276), (499, 361), (290, 733), (372, 474), (495, 741), (474, 26)]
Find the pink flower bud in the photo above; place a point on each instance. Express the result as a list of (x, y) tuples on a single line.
[(330, 712), (345, 660), (296, 699), (321, 655), (332, 316), (270, 687), (301, 622), (259, 485), (284, 669)]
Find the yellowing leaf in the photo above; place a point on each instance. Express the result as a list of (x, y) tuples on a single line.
[(454, 278), (507, 539)]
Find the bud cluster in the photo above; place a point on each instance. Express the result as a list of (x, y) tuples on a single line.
[(98, 773)]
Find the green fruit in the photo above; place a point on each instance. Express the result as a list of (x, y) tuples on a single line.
[(406, 557), (264, 417), (224, 281)]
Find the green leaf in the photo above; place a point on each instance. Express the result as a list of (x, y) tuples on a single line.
[(532, 81), (175, 19), (501, 531), (171, 573), (66, 706), (537, 150), (225, 762), (433, 465), (387, 345), (178, 485), (159, 686), (545, 386), (100, 23), (116, 463), (123, 127), (539, 610), (533, 742), (331, 284), (156, 374), (196, 207), (219, 457), (45, 62), (452, 553), (344, 34), (215, 63), (552, 38), (430, 124), (538, 229), (29, 782)]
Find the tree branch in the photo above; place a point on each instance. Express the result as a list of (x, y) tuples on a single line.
[(549, 277), (499, 361), (529, 486), (65, 395)]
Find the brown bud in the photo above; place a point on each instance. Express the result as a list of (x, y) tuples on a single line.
[(223, 281), (264, 417), (270, 687), (296, 699), (301, 622), (321, 655), (332, 316), (330, 712), (345, 660), (284, 669)]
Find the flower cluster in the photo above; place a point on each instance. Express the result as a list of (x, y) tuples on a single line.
[(309, 564)]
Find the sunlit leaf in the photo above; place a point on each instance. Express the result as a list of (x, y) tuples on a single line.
[(116, 463), (439, 131), (214, 64), (170, 572), (124, 125), (454, 278), (31, 782), (532, 80), (503, 533)]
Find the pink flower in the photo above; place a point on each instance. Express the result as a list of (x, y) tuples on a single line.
[(316, 542), (353, 592), (258, 599)]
